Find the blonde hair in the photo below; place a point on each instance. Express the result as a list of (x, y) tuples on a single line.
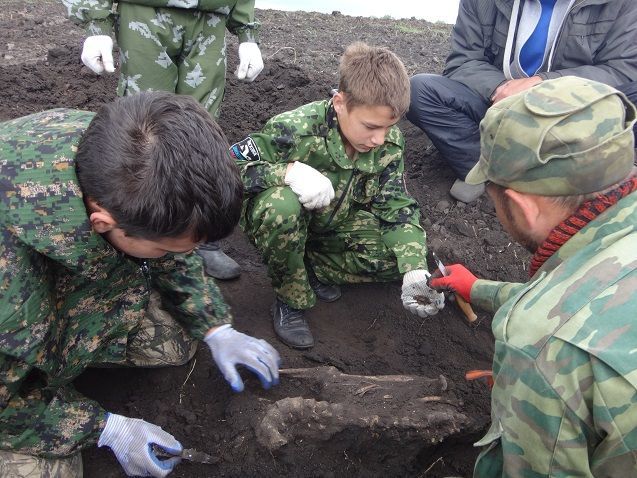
[(373, 76)]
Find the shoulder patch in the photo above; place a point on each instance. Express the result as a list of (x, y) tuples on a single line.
[(245, 150)]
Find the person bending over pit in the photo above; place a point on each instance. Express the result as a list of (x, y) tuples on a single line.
[(177, 46), (99, 215), (325, 200), (557, 160)]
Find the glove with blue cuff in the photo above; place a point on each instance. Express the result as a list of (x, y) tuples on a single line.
[(132, 440), (231, 348)]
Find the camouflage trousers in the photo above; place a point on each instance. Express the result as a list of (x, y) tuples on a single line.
[(172, 49), (281, 229), (159, 341), (15, 465)]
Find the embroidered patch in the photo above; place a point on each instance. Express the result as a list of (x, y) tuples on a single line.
[(246, 150)]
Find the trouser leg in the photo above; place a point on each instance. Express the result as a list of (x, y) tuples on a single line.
[(352, 253), (277, 225), (172, 49), (159, 341), (16, 465), (449, 113)]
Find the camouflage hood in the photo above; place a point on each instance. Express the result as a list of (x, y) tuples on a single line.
[(42, 203)]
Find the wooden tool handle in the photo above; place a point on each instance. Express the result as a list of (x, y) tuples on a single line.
[(466, 309)]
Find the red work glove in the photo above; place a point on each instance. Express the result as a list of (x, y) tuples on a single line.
[(460, 280)]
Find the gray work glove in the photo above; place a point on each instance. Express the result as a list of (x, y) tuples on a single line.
[(132, 440), (231, 348), (418, 298)]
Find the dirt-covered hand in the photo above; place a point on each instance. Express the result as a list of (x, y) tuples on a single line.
[(231, 348), (250, 61), (418, 298), (315, 191), (132, 440), (97, 54), (459, 280)]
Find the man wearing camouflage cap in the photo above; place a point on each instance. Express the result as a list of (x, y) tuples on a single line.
[(558, 161)]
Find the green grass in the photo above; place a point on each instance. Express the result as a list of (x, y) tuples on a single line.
[(401, 27)]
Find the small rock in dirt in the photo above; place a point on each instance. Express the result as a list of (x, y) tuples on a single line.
[(280, 87), (336, 13), (10, 46), (8, 57), (443, 206), (464, 228)]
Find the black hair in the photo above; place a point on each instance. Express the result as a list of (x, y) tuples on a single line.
[(159, 164)]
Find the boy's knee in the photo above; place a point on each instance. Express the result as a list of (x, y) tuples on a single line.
[(277, 205)]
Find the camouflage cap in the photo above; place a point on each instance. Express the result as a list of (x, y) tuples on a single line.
[(563, 137)]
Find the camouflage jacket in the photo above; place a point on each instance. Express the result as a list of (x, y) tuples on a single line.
[(372, 181), (98, 17), (68, 299), (564, 400)]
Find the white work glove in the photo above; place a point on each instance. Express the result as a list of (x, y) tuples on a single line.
[(250, 61), (97, 54), (231, 348), (418, 298), (132, 440), (315, 191)]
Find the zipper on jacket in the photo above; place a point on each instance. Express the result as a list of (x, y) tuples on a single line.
[(340, 200), (145, 270)]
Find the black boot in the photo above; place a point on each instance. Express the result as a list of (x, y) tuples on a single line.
[(217, 264), (324, 292), (290, 326)]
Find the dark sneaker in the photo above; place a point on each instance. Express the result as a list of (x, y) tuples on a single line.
[(290, 326), (217, 264), (324, 292)]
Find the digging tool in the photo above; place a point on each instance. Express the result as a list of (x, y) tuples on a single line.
[(189, 454), (463, 304)]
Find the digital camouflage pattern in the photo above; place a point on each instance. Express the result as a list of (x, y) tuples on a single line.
[(370, 231), (564, 401), (557, 139), (170, 45), (68, 299)]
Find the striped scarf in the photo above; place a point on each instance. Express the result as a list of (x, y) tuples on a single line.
[(573, 224)]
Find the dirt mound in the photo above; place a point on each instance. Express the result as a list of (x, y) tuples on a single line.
[(366, 333)]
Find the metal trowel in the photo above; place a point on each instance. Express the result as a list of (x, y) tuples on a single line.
[(189, 454)]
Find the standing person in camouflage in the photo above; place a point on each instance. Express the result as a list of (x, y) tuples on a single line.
[(177, 46), (558, 163), (325, 197), (96, 212)]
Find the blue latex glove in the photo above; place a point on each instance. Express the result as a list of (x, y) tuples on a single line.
[(132, 439), (231, 348)]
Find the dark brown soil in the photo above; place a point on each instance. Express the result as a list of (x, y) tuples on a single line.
[(366, 333)]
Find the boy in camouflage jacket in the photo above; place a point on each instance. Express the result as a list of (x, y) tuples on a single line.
[(558, 160), (96, 212), (325, 197)]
